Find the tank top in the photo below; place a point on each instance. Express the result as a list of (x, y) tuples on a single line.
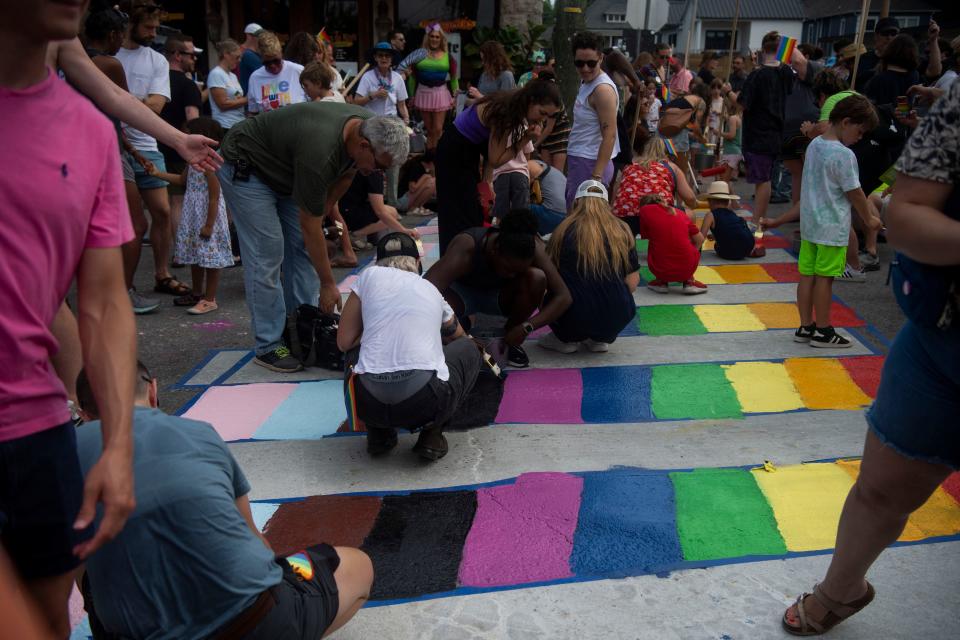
[(638, 182), (481, 275), (734, 147), (585, 136), (468, 123)]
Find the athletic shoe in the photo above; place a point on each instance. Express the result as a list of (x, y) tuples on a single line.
[(553, 343), (431, 445), (852, 275), (827, 338), (693, 287), (803, 334), (420, 211), (142, 304), (279, 360), (596, 347), (659, 286), (381, 441), (869, 261), (517, 358), (202, 307)]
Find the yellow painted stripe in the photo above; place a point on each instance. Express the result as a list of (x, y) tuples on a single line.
[(939, 515), (727, 317), (708, 244), (776, 315), (763, 387), (806, 500), (708, 275), (824, 383), (742, 273)]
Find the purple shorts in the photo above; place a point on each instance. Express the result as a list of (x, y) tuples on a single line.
[(759, 166), (579, 170)]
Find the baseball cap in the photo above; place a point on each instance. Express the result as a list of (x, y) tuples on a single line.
[(538, 57), (408, 246), (886, 23), (591, 189), (383, 46), (253, 29)]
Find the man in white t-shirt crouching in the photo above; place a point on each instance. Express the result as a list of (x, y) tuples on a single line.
[(409, 362)]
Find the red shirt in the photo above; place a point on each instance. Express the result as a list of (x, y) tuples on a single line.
[(671, 255), (639, 181)]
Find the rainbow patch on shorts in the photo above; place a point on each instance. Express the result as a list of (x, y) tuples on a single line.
[(301, 565)]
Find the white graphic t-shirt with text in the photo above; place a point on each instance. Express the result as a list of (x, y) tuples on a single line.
[(267, 91)]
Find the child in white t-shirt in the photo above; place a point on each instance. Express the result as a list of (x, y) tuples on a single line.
[(653, 112), (317, 80)]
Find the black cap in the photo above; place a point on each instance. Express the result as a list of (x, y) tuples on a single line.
[(886, 23), (408, 246)]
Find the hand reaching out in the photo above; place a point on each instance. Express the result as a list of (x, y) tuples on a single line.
[(199, 152)]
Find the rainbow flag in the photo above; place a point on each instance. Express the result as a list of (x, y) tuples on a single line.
[(785, 50), (664, 94), (668, 143)]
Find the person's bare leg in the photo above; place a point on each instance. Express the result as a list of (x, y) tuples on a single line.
[(196, 277), (213, 281), (68, 360), (795, 167), (158, 204), (558, 161), (354, 579), (761, 201), (51, 596), (869, 235), (374, 227), (822, 297), (131, 250), (423, 192), (176, 207), (853, 250), (890, 487), (805, 299)]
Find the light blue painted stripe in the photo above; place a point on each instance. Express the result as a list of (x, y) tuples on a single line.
[(312, 411)]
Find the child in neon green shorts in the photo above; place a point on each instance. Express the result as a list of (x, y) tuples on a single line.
[(831, 185)]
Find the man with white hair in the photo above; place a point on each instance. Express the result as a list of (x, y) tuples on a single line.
[(409, 362), (283, 172)]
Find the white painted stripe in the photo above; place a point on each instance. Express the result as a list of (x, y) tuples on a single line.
[(721, 294)]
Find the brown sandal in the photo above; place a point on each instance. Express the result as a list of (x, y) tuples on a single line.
[(341, 262), (172, 286), (837, 612)]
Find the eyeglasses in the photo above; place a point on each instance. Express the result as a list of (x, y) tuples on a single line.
[(188, 53), (591, 64), (888, 33)]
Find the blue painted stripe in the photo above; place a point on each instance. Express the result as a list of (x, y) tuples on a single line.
[(616, 394)]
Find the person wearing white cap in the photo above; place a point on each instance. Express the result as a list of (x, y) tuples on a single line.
[(733, 239), (250, 60), (595, 253)]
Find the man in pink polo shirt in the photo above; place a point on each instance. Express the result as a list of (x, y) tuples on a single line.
[(63, 215)]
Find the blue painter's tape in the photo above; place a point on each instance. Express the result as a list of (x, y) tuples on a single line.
[(627, 525), (312, 411), (616, 394)]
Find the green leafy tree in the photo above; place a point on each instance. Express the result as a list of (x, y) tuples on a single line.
[(518, 44)]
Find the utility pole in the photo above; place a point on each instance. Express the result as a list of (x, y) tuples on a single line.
[(570, 20)]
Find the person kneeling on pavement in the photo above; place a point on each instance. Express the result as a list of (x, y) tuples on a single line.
[(190, 562), (732, 238), (412, 364)]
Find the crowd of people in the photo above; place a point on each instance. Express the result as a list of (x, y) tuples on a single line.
[(538, 205)]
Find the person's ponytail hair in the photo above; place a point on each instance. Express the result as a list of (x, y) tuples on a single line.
[(518, 234)]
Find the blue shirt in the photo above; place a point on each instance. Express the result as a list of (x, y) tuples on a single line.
[(733, 238), (186, 562), (249, 62)]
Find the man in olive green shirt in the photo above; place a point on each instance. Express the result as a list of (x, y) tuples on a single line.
[(283, 172)]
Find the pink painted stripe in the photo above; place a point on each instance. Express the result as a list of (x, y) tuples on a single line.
[(427, 229), (237, 412), (550, 396), (522, 532), (347, 283)]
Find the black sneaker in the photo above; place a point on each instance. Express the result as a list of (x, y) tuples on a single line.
[(431, 445), (517, 358), (381, 441), (280, 360), (803, 334), (827, 338)]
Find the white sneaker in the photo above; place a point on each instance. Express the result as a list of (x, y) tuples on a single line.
[(852, 275), (553, 343), (596, 347)]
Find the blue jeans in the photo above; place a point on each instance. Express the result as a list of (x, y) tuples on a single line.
[(271, 242), (548, 219)]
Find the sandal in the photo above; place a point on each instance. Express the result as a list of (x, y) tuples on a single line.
[(172, 286), (202, 307), (836, 612), (188, 300)]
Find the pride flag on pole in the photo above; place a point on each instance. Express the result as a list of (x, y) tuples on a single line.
[(668, 143), (785, 50), (664, 94)]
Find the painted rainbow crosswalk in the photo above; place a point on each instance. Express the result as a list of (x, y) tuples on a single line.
[(696, 319), (540, 528), (739, 273)]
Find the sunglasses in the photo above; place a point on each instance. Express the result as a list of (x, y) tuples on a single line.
[(188, 53), (888, 33), (273, 63), (591, 64)]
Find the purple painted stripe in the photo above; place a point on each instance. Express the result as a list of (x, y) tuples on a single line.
[(522, 532), (550, 396)]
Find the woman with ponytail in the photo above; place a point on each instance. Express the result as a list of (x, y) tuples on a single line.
[(503, 271)]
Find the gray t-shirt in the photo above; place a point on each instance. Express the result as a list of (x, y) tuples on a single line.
[(186, 562), (553, 187), (504, 82)]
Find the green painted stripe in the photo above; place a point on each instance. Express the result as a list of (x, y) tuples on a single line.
[(645, 274), (669, 320), (721, 513), (642, 244), (693, 391)]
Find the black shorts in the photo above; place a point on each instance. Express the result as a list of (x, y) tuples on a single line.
[(358, 217), (41, 490), (306, 601)]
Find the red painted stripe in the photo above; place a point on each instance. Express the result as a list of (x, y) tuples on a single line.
[(783, 272), (776, 242), (952, 485), (336, 520), (865, 372), (843, 316)]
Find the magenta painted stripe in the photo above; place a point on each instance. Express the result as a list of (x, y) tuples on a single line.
[(549, 396), (347, 283), (522, 532), (236, 412)]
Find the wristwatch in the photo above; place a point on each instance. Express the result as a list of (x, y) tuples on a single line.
[(527, 328)]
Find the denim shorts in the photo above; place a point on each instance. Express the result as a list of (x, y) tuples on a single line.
[(144, 179), (41, 489), (918, 402)]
